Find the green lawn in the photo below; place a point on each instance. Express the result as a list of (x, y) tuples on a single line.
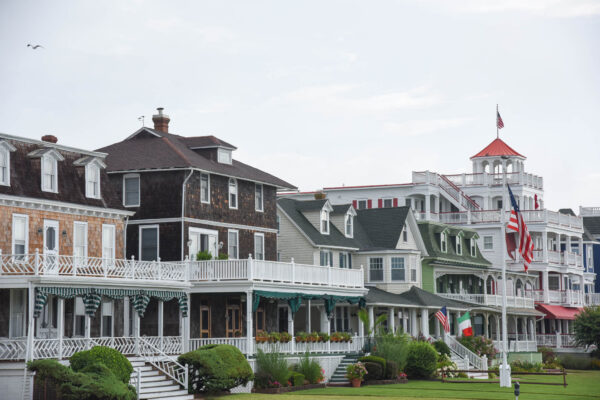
[(581, 385)]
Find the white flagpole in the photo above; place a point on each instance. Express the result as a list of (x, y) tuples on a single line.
[(497, 129), (505, 380)]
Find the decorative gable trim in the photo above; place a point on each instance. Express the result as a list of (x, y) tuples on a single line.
[(89, 160), (142, 129), (7, 146), (47, 152)]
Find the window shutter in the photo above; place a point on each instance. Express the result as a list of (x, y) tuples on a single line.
[(355, 203), (380, 203), (369, 203), (395, 202), (541, 277)]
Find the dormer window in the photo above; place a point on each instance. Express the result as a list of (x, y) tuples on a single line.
[(459, 245), (5, 149), (473, 247), (233, 193), (49, 174), (349, 225), (444, 242), (224, 156), (92, 181), (325, 222), (258, 197)]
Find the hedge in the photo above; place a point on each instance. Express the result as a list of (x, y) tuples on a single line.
[(297, 379), (391, 370), (421, 360), (111, 358), (442, 348), (378, 360), (216, 367), (374, 371)]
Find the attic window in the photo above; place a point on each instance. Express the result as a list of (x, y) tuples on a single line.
[(473, 247), (325, 222), (405, 235), (444, 242), (49, 174), (4, 166), (92, 181), (224, 156), (459, 245), (349, 225)]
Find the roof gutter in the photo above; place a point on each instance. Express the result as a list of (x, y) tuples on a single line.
[(183, 211)]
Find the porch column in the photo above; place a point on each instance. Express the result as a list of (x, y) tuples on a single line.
[(361, 328), (545, 284), (308, 317), (437, 328), (88, 330), (458, 331), (31, 325), (392, 320), (425, 322), (185, 328), (543, 327), (428, 207), (136, 331), (414, 329), (372, 320), (291, 327), (485, 325), (250, 324), (60, 325), (126, 327), (404, 321), (545, 246), (160, 323), (497, 318)]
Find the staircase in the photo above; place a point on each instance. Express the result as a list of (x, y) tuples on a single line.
[(339, 375), (154, 384), (453, 193), (465, 359)]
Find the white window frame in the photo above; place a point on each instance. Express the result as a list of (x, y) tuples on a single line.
[(473, 246), (4, 150), (262, 236), (236, 194), (458, 245), (53, 188), (237, 243), (259, 207), (139, 191), (358, 204), (325, 258), (405, 234), (224, 156), (26, 218), (83, 257), (404, 264), (142, 227), (349, 219), (114, 243), (384, 199), (202, 200), (382, 269), (324, 218), (444, 242), (491, 243), (79, 300), (92, 170), (413, 269), (111, 315)]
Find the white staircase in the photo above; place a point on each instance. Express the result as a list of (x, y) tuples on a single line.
[(465, 359), (154, 384)]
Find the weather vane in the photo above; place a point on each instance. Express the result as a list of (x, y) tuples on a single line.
[(141, 118)]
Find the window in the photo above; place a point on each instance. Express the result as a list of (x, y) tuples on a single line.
[(224, 156), (232, 244), (107, 317), (325, 222), (405, 235), (49, 174), (444, 242), (92, 181), (341, 320), (413, 269), (131, 190), (204, 188), (488, 242), (459, 245), (376, 269), (278, 219), (149, 243), (20, 235), (473, 247), (258, 197), (398, 272), (349, 225), (326, 258), (553, 282), (4, 166), (79, 320), (260, 320), (108, 242), (80, 242), (387, 203), (259, 246), (233, 194), (362, 204), (344, 260), (499, 204)]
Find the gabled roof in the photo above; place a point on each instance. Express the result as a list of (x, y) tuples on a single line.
[(497, 148), (206, 142), (415, 297), (592, 225), (149, 149), (568, 211), (380, 228)]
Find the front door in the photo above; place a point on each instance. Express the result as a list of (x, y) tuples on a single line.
[(51, 246), (234, 321)]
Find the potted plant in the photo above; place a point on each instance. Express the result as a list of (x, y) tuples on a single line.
[(262, 337), (402, 377), (347, 337), (301, 337), (336, 337), (323, 337), (285, 337), (355, 373), (237, 333), (313, 337), (274, 337)]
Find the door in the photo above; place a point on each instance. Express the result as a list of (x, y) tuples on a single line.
[(203, 240), (51, 246), (204, 321), (234, 321)]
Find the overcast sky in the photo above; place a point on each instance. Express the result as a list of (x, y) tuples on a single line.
[(319, 93)]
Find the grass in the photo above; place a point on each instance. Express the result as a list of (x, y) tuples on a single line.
[(581, 385)]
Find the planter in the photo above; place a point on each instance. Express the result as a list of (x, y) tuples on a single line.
[(356, 382)]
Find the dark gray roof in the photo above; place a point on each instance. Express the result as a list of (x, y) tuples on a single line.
[(415, 297), (592, 224), (568, 211), (378, 296), (380, 228), (204, 142), (151, 149), (340, 209)]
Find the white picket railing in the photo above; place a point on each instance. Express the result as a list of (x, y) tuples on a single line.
[(477, 362), (491, 299), (557, 340), (163, 362), (239, 342)]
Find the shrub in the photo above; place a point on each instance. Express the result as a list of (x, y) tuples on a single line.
[(480, 345), (223, 256), (525, 366), (587, 327), (392, 347), (297, 379), (375, 359), (204, 256), (311, 369), (391, 369), (421, 360), (595, 364), (374, 371), (356, 371), (94, 382), (216, 367), (445, 365), (270, 367), (111, 358), (442, 348), (572, 362)]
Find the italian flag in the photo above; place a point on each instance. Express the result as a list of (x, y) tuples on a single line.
[(464, 324)]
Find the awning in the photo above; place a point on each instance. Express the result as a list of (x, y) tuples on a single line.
[(295, 299), (558, 312)]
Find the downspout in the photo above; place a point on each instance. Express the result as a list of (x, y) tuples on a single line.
[(183, 211), (125, 238)]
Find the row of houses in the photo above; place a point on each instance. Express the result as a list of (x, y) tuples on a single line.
[(169, 242)]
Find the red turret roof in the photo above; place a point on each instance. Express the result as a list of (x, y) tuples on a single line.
[(497, 148)]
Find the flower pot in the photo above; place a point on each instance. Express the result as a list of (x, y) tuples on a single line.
[(356, 382)]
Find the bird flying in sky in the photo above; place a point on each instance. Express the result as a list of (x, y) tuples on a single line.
[(35, 46)]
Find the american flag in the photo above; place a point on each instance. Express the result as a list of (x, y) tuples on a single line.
[(517, 224), (499, 121), (442, 316)]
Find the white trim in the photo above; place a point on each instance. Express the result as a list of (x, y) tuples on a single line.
[(350, 217), (224, 156), (26, 232), (85, 237), (382, 269), (53, 186), (53, 145), (54, 224), (62, 207), (262, 235), (203, 231), (237, 194), (383, 199), (325, 212), (142, 129), (130, 176), (262, 197), (203, 222), (207, 175), (6, 148), (114, 243), (237, 244), (142, 227)]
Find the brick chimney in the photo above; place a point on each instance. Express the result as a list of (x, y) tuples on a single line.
[(49, 139), (161, 121)]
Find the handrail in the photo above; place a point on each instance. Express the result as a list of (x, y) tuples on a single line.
[(163, 362), (463, 194), (462, 351)]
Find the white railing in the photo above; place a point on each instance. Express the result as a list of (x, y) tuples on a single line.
[(239, 342), (492, 299), (530, 216), (558, 340), (592, 299), (476, 361), (589, 211), (447, 185), (520, 178), (163, 362), (13, 349)]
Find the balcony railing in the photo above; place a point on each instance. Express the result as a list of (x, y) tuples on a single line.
[(592, 299), (555, 340), (512, 178), (492, 299), (566, 297), (530, 216)]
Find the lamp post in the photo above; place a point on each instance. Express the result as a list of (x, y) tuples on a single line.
[(504, 368)]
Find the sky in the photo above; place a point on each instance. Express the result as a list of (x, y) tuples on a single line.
[(319, 93)]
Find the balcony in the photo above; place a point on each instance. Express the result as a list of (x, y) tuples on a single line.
[(487, 179), (569, 298), (556, 340), (546, 217), (491, 299), (592, 299)]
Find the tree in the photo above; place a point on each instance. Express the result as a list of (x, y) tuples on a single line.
[(363, 315), (587, 327)]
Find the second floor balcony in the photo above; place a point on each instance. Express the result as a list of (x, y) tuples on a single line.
[(532, 217), (525, 301)]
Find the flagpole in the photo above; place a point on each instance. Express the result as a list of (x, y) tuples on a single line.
[(497, 130), (504, 368)]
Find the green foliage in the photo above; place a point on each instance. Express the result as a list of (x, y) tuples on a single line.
[(574, 362), (445, 365), (204, 256), (356, 371), (223, 256), (374, 371), (297, 379), (311, 369), (363, 315), (421, 360), (270, 367), (111, 358), (587, 327), (392, 347), (375, 359), (442, 348), (549, 358), (216, 367), (480, 345), (525, 366), (93, 382), (391, 370)]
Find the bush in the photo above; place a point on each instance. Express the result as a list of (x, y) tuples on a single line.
[(392, 347), (442, 348), (421, 360), (223, 256), (595, 364), (270, 367), (111, 358), (391, 370), (311, 369), (374, 371), (204, 256), (216, 367), (572, 362), (297, 379), (374, 359), (445, 365), (525, 366), (480, 345), (94, 382)]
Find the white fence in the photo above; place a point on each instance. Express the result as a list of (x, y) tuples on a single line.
[(491, 299), (556, 340)]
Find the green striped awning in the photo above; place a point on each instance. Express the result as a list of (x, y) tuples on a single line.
[(92, 297)]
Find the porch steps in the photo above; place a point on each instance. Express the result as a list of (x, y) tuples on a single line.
[(155, 385), (339, 375), (463, 364)]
